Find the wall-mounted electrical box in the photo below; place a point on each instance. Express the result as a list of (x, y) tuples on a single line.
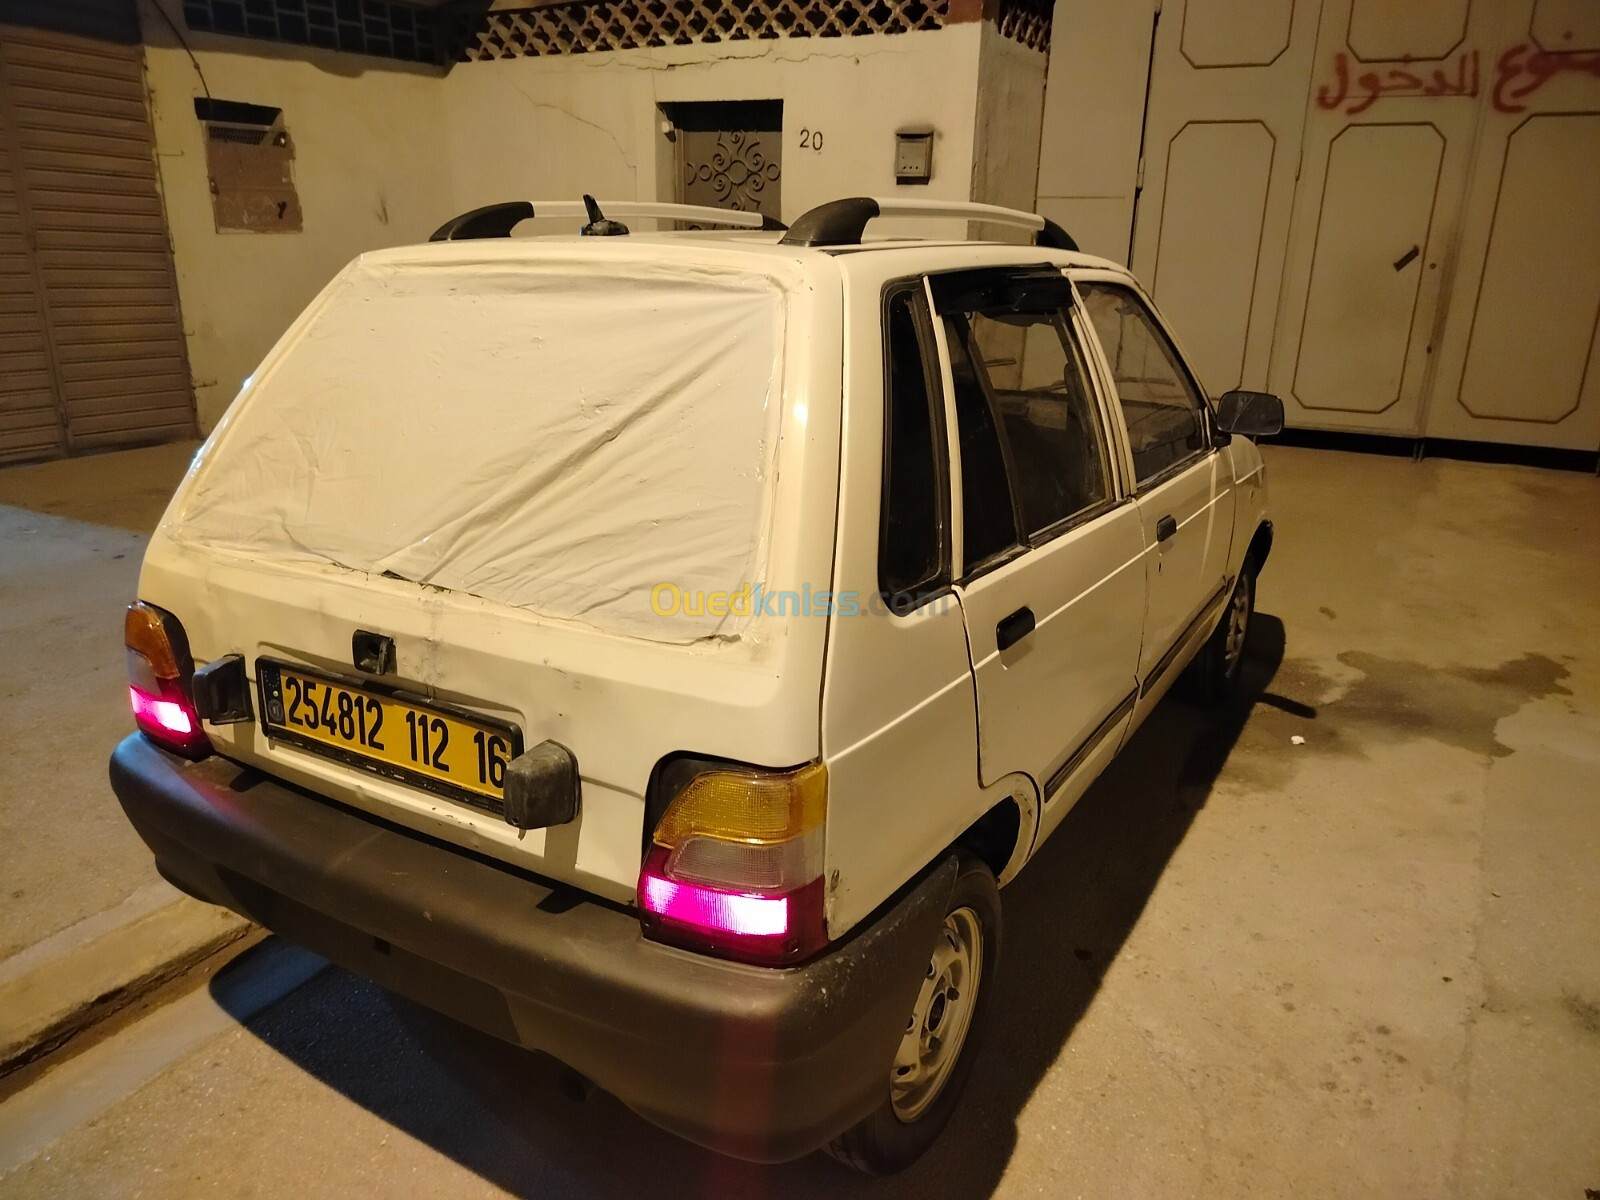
[(913, 155), (248, 159)]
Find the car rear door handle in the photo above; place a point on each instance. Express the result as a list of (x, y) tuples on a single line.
[(1165, 528), (1014, 628)]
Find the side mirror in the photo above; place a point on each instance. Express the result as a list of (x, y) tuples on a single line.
[(1250, 414)]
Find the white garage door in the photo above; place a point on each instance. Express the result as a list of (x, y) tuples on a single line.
[(1383, 212)]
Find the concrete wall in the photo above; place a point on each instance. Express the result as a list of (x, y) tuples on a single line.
[(563, 125), (368, 165), (1006, 126), (385, 152), (369, 137), (1094, 119)]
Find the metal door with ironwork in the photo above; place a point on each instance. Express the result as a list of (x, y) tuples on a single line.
[(729, 154)]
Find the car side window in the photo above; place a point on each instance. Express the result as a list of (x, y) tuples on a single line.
[(1034, 377), (988, 520), (1163, 410), (913, 533)]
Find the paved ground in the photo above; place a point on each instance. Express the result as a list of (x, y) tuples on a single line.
[(1362, 966), (85, 923), (71, 536)]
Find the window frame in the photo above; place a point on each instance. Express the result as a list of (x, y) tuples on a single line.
[(1070, 321), (1136, 486), (906, 601), (1006, 457)]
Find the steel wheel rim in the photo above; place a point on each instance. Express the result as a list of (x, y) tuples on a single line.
[(1238, 625), (941, 1017)]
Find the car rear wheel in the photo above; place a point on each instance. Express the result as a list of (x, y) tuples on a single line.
[(935, 1057)]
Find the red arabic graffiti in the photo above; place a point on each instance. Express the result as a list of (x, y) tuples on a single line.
[(1397, 82), (1519, 72)]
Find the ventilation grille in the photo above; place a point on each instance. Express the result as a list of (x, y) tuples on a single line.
[(578, 28), (245, 135), (1026, 21), (375, 27), (415, 34)]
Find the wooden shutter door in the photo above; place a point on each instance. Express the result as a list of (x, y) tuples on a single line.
[(82, 230), (30, 422)]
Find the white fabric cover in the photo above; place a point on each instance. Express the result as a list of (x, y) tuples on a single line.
[(556, 436)]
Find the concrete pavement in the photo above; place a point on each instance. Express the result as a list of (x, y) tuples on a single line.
[(1362, 965), (85, 922)]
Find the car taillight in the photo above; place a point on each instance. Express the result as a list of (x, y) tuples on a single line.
[(735, 865), (159, 670)]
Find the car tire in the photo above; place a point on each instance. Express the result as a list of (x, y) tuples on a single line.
[(928, 1075), (1214, 674)]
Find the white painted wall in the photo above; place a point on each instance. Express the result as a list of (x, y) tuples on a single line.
[(1093, 120), (368, 137), (568, 124), (385, 152)]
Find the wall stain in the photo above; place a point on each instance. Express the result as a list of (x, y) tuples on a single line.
[(1585, 1012)]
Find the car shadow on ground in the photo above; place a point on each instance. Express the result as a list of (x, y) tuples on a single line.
[(510, 1117)]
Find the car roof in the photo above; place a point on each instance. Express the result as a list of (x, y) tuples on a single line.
[(759, 251)]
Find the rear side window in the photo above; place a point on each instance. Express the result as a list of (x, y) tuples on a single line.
[(988, 518), (913, 534), (1037, 382), (1160, 403)]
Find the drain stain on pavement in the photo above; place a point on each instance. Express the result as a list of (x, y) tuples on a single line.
[(1585, 1012), (1398, 701)]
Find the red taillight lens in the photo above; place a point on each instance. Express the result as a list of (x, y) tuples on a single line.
[(159, 670), (735, 866)]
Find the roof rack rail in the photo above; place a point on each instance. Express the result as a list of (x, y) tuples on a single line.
[(841, 222), (498, 220)]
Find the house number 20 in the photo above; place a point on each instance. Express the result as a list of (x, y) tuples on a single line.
[(811, 139)]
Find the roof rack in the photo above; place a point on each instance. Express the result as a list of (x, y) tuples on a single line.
[(841, 222), (497, 220)]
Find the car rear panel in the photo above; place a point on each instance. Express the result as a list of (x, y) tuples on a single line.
[(618, 702), (618, 705)]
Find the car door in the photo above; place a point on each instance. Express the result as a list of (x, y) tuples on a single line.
[(1051, 580), (1184, 495)]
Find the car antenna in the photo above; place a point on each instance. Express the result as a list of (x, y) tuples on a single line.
[(598, 226)]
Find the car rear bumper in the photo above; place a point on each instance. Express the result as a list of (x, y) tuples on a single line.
[(761, 1063)]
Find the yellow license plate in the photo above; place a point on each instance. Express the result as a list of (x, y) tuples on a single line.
[(441, 749)]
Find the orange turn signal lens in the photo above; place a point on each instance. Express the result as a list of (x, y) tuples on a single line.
[(146, 635), (736, 865), (158, 681), (758, 807)]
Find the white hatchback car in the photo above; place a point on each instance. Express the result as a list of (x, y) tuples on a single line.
[(656, 650)]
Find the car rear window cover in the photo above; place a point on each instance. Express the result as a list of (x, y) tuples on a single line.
[(556, 437)]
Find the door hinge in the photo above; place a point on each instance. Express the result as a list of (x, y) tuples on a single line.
[(1138, 177)]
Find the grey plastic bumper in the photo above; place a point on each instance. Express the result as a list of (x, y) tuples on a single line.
[(760, 1063)]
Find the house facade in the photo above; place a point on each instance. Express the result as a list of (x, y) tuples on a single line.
[(1384, 213)]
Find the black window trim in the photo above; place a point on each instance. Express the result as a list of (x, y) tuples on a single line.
[(994, 562), (979, 370), (1074, 520), (903, 603), (1008, 283), (1141, 487)]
